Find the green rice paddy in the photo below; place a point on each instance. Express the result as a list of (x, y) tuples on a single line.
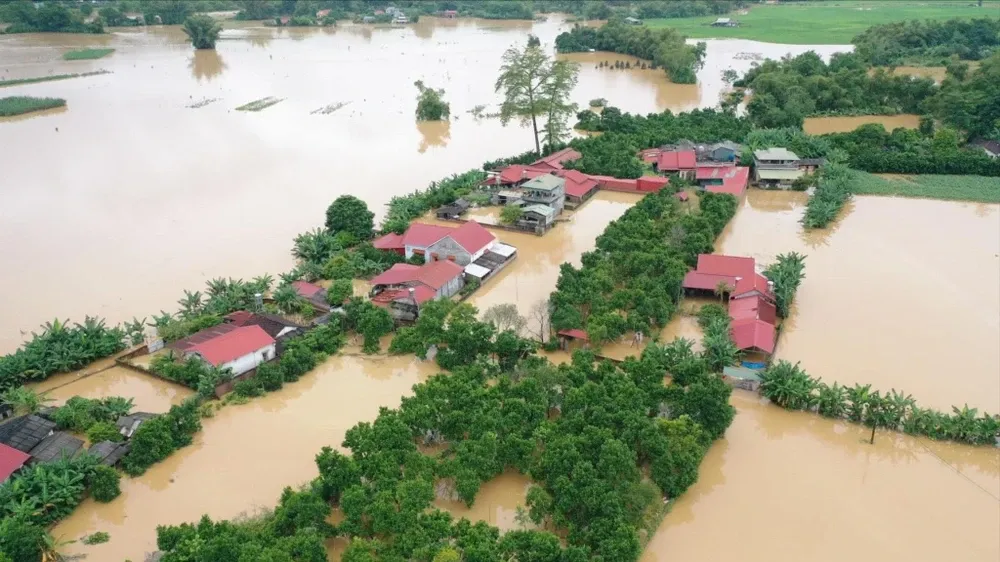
[(87, 54), (823, 23), (19, 105), (930, 186)]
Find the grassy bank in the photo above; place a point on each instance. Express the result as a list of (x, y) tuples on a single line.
[(930, 186), (20, 81), (87, 54), (832, 23), (19, 105)]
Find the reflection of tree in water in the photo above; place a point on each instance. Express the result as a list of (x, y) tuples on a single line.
[(207, 64), (261, 40), (433, 133)]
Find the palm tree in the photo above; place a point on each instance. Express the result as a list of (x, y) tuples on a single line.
[(899, 405), (963, 423), (878, 413), (261, 284), (287, 299), (161, 320), (117, 406), (788, 386), (216, 287), (202, 30), (190, 304), (50, 548), (722, 289)]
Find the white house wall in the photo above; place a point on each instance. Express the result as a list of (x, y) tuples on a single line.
[(250, 361)]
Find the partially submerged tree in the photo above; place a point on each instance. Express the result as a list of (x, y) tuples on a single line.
[(534, 85), (430, 103), (511, 214), (202, 30), (351, 215), (505, 317)]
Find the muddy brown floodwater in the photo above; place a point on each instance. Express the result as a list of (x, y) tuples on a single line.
[(824, 125), (149, 394), (148, 197)]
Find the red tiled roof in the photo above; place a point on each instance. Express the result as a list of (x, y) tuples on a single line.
[(397, 274), (608, 182), (753, 308), (706, 281), (472, 236), (578, 184), (753, 334), (681, 196), (421, 293), (202, 336), (517, 173), (557, 159), (306, 289), (423, 235), (717, 264), (734, 181), (10, 460), (675, 160), (435, 274), (391, 241), (233, 345), (322, 13), (574, 333), (755, 282), (708, 172), (651, 183), (238, 318)]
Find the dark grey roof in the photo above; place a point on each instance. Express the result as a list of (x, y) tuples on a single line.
[(271, 323), (55, 447), (24, 432), (991, 145), (128, 424), (109, 452)]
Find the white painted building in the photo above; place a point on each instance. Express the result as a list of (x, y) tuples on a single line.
[(239, 350)]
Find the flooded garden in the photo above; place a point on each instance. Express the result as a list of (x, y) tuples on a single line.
[(190, 184)]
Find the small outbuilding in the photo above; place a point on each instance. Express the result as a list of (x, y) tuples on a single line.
[(454, 210), (57, 446), (109, 452), (725, 22), (25, 432), (128, 424)]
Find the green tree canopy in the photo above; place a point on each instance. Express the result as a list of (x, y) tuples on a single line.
[(351, 215), (202, 30)]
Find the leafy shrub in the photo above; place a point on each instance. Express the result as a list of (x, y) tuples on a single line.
[(104, 431), (99, 537), (104, 483)]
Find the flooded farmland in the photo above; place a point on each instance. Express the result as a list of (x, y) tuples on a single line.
[(824, 125), (794, 486), (245, 455), (887, 300), (171, 195)]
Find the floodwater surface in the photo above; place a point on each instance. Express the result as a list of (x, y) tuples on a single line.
[(245, 455), (148, 196), (148, 393), (900, 293), (788, 486), (824, 125)]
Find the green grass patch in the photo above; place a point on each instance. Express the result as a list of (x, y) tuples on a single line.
[(20, 81), (826, 23), (259, 105), (930, 186), (87, 54), (19, 105)]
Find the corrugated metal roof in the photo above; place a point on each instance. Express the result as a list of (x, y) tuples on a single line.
[(775, 154), (11, 460), (476, 270), (706, 281), (237, 343), (753, 334), (557, 159), (307, 289), (779, 174), (547, 182), (503, 249), (472, 236), (718, 264), (25, 432), (56, 446), (543, 210), (574, 333), (187, 343)]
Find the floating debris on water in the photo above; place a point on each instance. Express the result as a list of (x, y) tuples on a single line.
[(328, 109), (202, 103), (261, 104)]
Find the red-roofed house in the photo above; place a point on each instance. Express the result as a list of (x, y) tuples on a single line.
[(307, 290), (462, 245), (239, 350), (556, 160), (323, 13), (755, 285), (200, 336), (713, 269), (434, 280), (682, 162), (616, 184), (451, 14), (724, 179), (753, 308), (579, 186), (415, 241), (706, 281), (753, 335), (11, 460), (516, 174)]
